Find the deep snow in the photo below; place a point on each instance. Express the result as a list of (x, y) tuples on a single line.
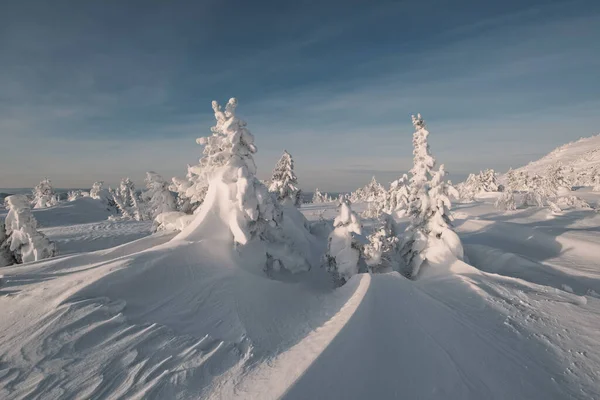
[(158, 317)]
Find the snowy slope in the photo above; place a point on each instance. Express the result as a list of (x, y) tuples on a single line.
[(193, 318), (582, 155), (82, 225)]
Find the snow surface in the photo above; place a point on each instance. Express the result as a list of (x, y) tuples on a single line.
[(161, 317)]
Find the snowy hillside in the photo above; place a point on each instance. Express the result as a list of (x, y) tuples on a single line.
[(579, 157)]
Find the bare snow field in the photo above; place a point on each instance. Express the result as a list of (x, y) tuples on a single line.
[(123, 313)]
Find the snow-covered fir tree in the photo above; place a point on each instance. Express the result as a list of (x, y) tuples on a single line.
[(557, 179), (284, 182), (536, 193), (127, 201), (469, 188), (157, 197), (319, 197), (398, 196), (377, 199), (488, 181), (22, 242), (343, 250), (237, 200), (506, 201), (98, 192), (190, 190), (357, 196), (43, 195), (423, 164), (430, 222), (382, 251)]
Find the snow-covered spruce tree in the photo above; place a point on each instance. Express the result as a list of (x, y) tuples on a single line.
[(343, 250), (469, 188), (119, 203), (127, 201), (357, 196), (398, 196), (557, 179), (192, 189), (488, 181), (157, 197), (22, 242), (98, 192), (284, 182), (506, 201), (319, 197), (382, 251), (184, 202), (377, 198), (43, 195), (536, 193), (237, 201), (430, 223)]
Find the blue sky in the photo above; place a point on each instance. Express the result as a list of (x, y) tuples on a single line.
[(97, 90)]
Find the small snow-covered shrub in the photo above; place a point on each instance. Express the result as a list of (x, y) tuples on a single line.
[(284, 182), (571, 201), (506, 201), (343, 250), (382, 251), (43, 195), (21, 241)]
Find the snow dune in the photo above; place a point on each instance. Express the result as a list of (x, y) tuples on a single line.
[(193, 318)]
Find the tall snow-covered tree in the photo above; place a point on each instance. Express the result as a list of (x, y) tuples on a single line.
[(157, 196), (423, 164), (43, 195), (22, 242), (237, 200), (343, 250), (284, 182), (430, 221)]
